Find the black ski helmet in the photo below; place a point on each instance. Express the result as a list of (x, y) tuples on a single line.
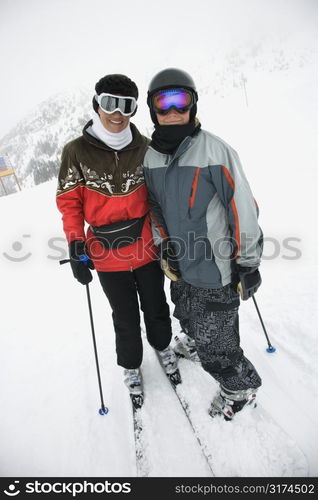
[(172, 78)]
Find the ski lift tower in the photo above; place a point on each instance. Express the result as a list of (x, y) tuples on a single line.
[(7, 169)]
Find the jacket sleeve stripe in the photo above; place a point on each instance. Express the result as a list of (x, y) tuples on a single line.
[(237, 234), (228, 177), (236, 225)]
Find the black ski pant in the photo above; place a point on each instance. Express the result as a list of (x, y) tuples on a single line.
[(122, 289), (210, 317)]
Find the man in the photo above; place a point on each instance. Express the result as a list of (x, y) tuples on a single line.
[(205, 221), (101, 183)]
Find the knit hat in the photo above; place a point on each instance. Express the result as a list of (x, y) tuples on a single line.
[(118, 85)]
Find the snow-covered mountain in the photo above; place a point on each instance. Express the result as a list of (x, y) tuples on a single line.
[(35, 144)]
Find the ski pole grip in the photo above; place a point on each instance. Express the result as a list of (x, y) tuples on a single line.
[(84, 258)]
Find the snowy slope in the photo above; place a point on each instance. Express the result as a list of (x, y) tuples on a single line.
[(49, 397), (49, 423)]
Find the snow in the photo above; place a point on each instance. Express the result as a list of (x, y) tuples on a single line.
[(49, 421), (254, 446)]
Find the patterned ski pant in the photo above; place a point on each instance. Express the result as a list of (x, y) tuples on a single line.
[(210, 317)]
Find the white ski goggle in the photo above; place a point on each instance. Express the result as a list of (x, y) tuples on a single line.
[(111, 103)]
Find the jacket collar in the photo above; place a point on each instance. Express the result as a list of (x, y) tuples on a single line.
[(182, 148), (135, 143)]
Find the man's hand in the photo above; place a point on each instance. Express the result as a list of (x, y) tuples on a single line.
[(250, 281), (80, 262)]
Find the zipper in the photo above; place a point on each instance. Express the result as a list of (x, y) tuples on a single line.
[(116, 177), (169, 159), (121, 229)]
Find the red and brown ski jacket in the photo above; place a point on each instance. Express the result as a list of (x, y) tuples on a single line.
[(98, 185)]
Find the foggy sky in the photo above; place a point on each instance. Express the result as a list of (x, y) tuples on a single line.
[(50, 46)]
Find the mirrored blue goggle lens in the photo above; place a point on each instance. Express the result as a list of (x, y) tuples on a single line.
[(178, 98)]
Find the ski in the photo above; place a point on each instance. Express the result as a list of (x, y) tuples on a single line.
[(142, 466), (185, 406)]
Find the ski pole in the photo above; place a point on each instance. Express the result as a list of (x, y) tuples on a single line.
[(270, 348), (103, 409)]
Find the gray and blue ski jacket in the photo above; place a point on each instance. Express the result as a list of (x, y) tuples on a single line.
[(201, 200)]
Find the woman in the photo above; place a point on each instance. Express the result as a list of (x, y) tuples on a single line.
[(101, 183)]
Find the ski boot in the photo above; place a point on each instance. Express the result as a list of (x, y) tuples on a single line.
[(133, 381), (227, 402), (185, 347), (170, 364)]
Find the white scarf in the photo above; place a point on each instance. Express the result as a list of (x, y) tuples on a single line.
[(114, 140)]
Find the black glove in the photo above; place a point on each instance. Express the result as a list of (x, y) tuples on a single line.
[(80, 262), (249, 281), (169, 261)]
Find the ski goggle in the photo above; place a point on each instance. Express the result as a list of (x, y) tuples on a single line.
[(180, 99), (111, 103)]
